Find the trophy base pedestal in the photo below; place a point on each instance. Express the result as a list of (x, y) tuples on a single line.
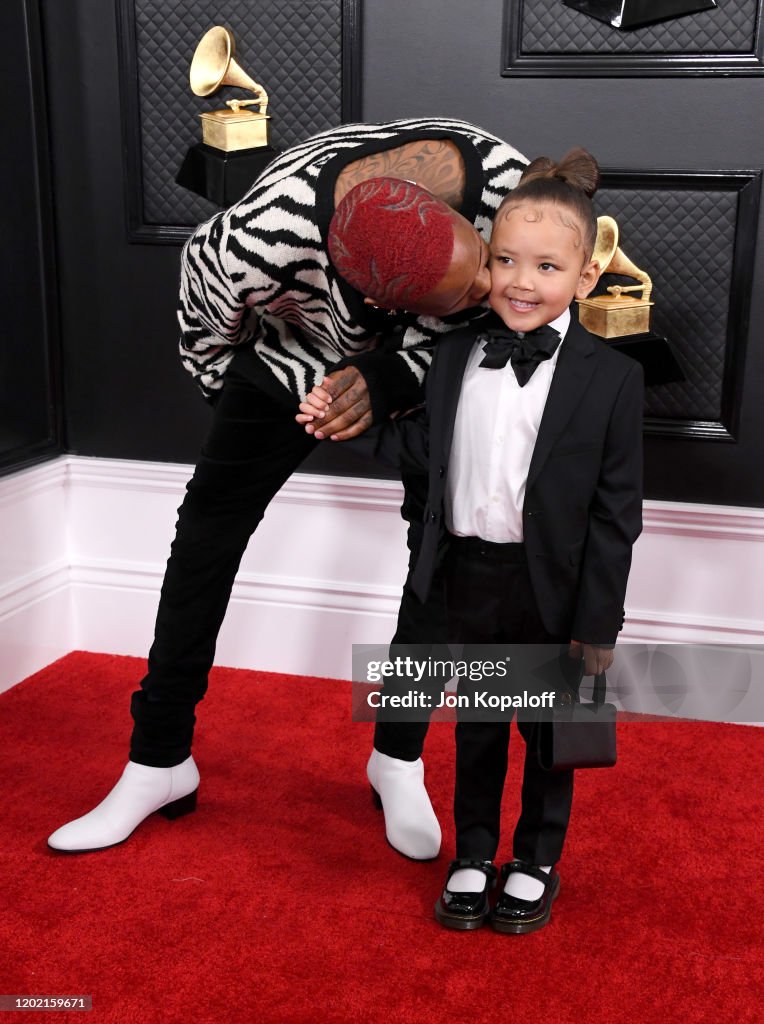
[(635, 13), (223, 177), (655, 354)]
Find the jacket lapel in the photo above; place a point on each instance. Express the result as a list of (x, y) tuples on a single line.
[(452, 363), (571, 378), (444, 385)]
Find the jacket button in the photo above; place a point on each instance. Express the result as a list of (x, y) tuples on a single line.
[(433, 517), (442, 471)]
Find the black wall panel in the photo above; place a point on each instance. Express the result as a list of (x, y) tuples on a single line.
[(302, 50), (668, 222), (30, 413), (126, 393), (543, 38)]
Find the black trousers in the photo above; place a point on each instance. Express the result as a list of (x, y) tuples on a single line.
[(252, 448), (490, 601), (421, 632)]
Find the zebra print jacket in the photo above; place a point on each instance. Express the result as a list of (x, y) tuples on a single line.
[(258, 275)]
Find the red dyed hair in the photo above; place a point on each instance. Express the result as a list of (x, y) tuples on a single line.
[(392, 240)]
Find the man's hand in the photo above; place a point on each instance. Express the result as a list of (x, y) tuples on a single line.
[(596, 659), (339, 408)]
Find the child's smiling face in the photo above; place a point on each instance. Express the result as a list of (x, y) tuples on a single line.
[(538, 264)]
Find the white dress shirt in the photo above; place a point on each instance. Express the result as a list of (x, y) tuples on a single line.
[(497, 423)]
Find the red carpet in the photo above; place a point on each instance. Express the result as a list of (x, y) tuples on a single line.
[(280, 901)]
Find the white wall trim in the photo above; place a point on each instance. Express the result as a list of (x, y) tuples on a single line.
[(651, 627), (171, 477), (35, 480), (713, 521), (250, 588), (25, 591), (35, 592), (87, 541)]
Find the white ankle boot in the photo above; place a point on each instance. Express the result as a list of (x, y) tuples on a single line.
[(140, 791), (410, 823)]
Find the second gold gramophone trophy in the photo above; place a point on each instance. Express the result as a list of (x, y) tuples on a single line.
[(235, 145), (623, 318), (616, 314)]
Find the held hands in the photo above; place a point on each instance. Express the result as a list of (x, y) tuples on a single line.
[(596, 659), (339, 408)]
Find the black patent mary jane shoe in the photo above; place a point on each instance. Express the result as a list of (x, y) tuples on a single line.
[(465, 910), (516, 916)]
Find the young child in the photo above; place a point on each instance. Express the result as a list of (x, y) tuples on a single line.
[(532, 440)]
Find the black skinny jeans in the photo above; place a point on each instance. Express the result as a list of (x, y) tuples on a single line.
[(253, 446)]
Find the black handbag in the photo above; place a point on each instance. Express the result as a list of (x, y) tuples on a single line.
[(578, 734)]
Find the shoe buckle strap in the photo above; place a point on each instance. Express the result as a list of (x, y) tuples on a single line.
[(526, 869), (462, 863)]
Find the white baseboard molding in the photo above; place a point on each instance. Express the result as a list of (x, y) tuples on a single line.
[(35, 596), (35, 623), (663, 628), (87, 541)]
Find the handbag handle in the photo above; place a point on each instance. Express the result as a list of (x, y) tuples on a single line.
[(600, 685), (600, 688)]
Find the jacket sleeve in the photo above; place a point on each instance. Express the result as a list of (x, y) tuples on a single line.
[(615, 520), (393, 382), (402, 443), (396, 369)]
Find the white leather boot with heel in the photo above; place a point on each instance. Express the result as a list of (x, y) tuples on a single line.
[(140, 791), (398, 789)]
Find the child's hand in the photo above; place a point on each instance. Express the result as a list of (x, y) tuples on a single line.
[(596, 659), (350, 414), (314, 407)]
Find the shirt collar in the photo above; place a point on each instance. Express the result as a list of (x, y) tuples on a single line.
[(561, 324)]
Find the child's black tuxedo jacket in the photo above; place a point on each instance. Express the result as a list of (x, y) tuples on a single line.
[(583, 497)]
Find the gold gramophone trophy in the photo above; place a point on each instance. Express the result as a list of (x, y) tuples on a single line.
[(623, 318), (617, 314), (235, 145), (214, 66)]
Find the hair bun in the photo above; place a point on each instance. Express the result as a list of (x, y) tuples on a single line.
[(578, 168)]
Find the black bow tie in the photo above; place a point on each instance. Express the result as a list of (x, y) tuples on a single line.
[(525, 349)]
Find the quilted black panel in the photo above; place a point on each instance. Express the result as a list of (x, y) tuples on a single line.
[(291, 47), (553, 29), (684, 239)]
